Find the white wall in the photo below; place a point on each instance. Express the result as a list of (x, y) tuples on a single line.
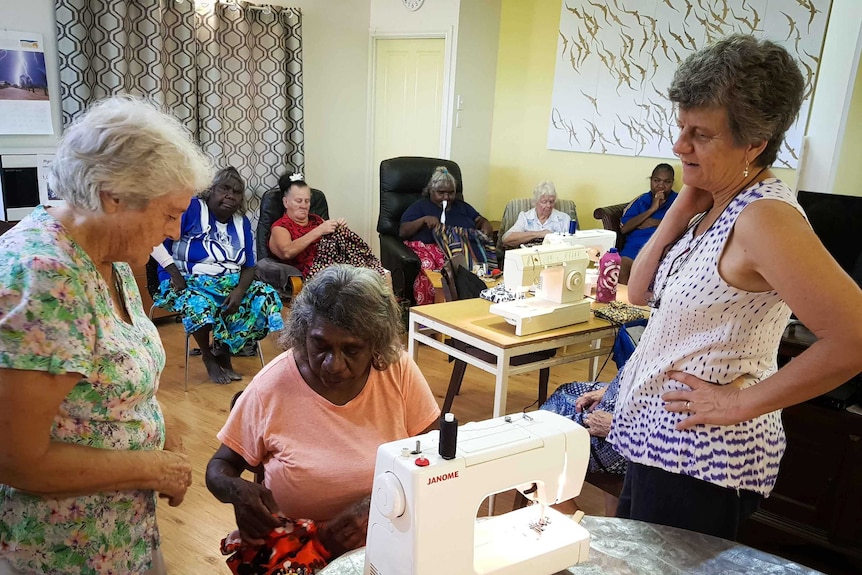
[(475, 83), (35, 16), (335, 100), (833, 95), (390, 16)]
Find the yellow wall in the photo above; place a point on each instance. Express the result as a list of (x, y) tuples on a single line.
[(848, 180), (519, 154)]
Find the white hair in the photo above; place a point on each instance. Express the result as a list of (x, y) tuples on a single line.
[(126, 145), (544, 189)]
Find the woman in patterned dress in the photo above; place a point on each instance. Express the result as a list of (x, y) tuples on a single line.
[(207, 276), (699, 408), (85, 449)]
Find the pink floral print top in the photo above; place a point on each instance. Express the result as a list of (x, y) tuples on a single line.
[(56, 315)]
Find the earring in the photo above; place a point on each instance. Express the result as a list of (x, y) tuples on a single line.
[(745, 171)]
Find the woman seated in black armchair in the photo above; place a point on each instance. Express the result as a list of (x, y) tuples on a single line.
[(425, 215), (310, 243)]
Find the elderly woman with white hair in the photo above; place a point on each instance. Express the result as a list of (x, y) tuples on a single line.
[(534, 224), (85, 449)]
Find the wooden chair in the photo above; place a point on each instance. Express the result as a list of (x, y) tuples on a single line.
[(450, 293)]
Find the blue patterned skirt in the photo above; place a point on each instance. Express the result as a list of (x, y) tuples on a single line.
[(201, 303), (603, 458)]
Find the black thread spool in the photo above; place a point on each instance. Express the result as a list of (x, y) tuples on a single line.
[(448, 436)]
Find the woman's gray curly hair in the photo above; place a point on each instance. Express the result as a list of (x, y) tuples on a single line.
[(126, 145), (756, 81), (544, 189), (441, 178), (354, 299)]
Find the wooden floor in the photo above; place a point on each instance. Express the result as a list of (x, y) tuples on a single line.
[(191, 532)]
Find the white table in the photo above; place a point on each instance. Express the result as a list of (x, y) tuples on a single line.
[(471, 322)]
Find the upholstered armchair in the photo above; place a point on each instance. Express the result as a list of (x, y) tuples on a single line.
[(402, 180), (610, 217), (269, 268)]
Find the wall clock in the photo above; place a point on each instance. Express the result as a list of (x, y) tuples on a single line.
[(413, 4)]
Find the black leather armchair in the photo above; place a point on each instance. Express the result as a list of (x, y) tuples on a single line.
[(402, 180), (269, 268)]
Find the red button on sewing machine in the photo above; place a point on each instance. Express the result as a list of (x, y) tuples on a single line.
[(422, 462)]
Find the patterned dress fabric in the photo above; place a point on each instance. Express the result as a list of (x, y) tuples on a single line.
[(56, 316), (232, 76), (292, 549), (211, 255), (431, 257), (603, 457), (719, 333)]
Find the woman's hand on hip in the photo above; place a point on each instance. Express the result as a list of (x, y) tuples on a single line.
[(254, 506), (707, 403), (173, 476)]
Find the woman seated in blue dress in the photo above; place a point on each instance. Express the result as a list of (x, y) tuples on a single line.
[(533, 225), (207, 276), (641, 217)]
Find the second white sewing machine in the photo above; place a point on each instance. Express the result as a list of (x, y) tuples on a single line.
[(422, 519), (558, 273)]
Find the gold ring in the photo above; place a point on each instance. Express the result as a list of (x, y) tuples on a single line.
[(688, 405)]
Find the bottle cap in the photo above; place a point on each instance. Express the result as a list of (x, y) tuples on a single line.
[(613, 250)]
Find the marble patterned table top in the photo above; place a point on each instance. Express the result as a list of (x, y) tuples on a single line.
[(625, 547)]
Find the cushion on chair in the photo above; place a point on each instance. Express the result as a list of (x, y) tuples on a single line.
[(402, 180)]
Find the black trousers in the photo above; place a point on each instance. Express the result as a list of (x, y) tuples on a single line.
[(658, 496)]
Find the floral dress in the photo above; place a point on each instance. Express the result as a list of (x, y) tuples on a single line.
[(56, 316)]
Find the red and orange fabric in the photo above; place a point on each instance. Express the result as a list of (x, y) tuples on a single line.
[(293, 549)]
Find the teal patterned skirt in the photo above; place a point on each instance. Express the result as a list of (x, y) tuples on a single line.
[(200, 304)]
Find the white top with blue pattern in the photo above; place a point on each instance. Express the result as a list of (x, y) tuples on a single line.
[(719, 333)]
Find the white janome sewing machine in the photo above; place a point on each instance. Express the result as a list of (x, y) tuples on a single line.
[(558, 273), (597, 242), (423, 507)]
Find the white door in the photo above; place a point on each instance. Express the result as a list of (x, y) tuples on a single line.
[(408, 105)]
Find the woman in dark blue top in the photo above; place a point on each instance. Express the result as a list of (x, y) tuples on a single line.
[(426, 214), (641, 217)]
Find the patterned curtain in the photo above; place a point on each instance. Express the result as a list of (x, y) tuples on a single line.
[(232, 74)]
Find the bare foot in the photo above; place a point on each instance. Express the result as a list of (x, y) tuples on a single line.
[(225, 363), (214, 370), (223, 357)]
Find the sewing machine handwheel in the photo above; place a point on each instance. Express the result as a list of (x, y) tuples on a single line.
[(388, 495), (573, 280)]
